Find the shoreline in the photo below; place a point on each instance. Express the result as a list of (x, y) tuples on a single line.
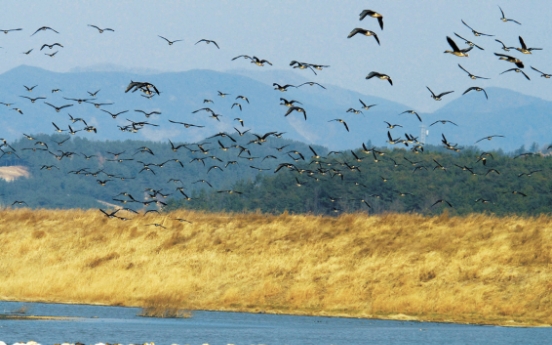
[(390, 317)]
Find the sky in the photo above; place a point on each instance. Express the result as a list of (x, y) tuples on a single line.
[(411, 50)]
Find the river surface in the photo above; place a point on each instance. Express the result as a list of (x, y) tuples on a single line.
[(93, 324)]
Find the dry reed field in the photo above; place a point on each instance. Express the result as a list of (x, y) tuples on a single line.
[(476, 269)]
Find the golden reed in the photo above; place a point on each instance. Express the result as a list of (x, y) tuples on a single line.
[(476, 269)]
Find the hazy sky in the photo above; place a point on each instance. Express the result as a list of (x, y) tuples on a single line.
[(411, 51)]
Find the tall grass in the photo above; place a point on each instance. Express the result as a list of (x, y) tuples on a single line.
[(478, 268)]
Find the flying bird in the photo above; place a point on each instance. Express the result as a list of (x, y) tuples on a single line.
[(243, 97), (441, 201), (58, 109), (490, 137), (412, 112), (511, 59), (101, 30), (297, 109), (311, 83), (475, 33), (366, 107), (343, 122), (390, 126), (354, 111), (146, 113), (6, 31), (380, 76), (59, 130), (517, 70), (443, 122), (524, 49), (93, 94), (288, 103), (241, 134), (186, 125), (169, 41), (302, 65), (455, 50), (471, 75), (254, 59), (505, 20), (470, 43), (19, 202), (282, 88), (143, 86), (476, 88), (51, 45), (364, 32), (438, 97), (44, 28), (114, 115), (32, 99), (504, 47), (372, 14), (208, 42), (29, 88), (545, 75)]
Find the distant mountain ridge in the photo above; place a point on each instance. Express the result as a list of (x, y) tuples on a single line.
[(521, 119)]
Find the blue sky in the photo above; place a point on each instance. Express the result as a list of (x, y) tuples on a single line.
[(411, 51)]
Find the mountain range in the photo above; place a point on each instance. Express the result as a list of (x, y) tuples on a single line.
[(522, 120)]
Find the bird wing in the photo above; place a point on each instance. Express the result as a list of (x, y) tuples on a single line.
[(523, 46), (355, 31), (526, 76), (468, 90), (509, 70), (380, 21), (365, 13), (452, 44), (372, 74), (444, 93), (243, 56), (463, 69), (430, 91), (533, 68)]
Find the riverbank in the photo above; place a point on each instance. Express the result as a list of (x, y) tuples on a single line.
[(474, 269)]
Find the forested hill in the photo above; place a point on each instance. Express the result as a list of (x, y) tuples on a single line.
[(272, 175), (73, 172), (399, 180)]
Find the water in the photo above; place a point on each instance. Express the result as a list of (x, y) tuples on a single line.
[(93, 324)]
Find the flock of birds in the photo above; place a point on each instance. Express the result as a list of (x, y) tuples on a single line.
[(227, 141)]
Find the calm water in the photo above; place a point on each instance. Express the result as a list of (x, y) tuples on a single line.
[(115, 324)]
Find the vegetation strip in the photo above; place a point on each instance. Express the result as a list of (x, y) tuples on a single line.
[(470, 269)]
